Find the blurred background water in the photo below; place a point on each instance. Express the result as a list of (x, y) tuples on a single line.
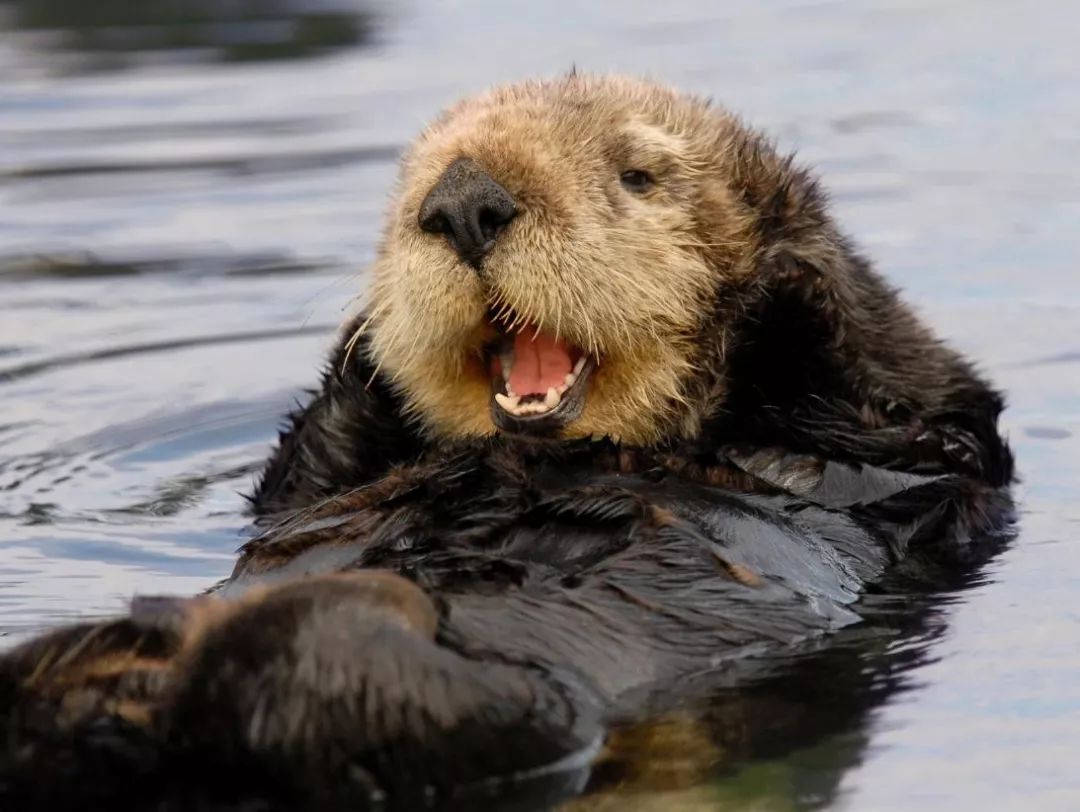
[(190, 189)]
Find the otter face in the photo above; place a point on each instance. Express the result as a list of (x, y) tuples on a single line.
[(553, 260)]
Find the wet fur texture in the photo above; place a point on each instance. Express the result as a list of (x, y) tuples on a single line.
[(436, 611), (546, 595)]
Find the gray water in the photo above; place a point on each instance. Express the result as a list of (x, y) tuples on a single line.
[(186, 209)]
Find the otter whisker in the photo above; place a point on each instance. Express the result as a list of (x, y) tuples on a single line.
[(350, 345)]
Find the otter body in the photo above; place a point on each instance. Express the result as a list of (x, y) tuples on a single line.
[(539, 596), (623, 408)]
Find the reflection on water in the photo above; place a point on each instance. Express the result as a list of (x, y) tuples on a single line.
[(180, 233), (781, 733), (116, 33)]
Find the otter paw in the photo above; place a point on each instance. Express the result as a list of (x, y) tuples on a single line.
[(336, 691)]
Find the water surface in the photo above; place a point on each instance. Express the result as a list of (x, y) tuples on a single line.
[(188, 201)]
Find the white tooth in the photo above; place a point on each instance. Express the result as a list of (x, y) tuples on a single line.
[(561, 389), (570, 378), (580, 365), (509, 403), (551, 399)]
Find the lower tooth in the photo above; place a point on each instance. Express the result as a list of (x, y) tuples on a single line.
[(551, 399), (580, 365)]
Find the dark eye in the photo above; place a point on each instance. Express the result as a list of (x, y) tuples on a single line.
[(636, 180)]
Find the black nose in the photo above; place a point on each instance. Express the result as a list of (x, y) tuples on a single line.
[(470, 208)]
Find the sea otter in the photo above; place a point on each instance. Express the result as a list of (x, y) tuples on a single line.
[(623, 406)]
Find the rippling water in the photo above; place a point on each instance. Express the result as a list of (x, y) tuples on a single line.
[(187, 202)]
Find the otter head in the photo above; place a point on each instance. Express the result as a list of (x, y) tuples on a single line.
[(556, 260)]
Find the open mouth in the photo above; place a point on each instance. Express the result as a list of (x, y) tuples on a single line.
[(538, 382)]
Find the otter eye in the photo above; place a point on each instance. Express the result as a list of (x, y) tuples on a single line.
[(636, 180)]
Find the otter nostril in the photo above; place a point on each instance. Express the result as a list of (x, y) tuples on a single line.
[(493, 222), (435, 223), (470, 208)]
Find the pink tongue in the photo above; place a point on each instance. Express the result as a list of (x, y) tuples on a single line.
[(540, 362)]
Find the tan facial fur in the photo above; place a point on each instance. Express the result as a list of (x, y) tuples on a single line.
[(629, 277)]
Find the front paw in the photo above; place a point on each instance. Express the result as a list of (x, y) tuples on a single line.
[(968, 448), (335, 691)]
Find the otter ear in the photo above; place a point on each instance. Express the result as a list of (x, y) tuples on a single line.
[(351, 432)]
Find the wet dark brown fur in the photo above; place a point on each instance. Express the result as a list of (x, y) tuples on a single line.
[(544, 597), (435, 609)]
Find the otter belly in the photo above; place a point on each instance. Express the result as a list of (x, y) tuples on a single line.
[(629, 579)]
